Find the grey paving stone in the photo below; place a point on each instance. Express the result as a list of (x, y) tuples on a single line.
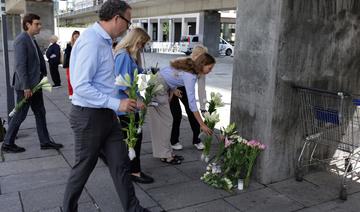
[(88, 207), (263, 200), (45, 198), (194, 169), (57, 209), (156, 209), (33, 180), (185, 194), (332, 181), (67, 140), (33, 150), (190, 154), (31, 165), (101, 187), (28, 133), (351, 205), (59, 129), (213, 206), (165, 176), (252, 187), (10, 203), (148, 162), (304, 192)]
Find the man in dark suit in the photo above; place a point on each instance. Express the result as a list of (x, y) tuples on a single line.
[(30, 68)]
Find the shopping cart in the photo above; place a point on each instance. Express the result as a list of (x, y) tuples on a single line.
[(331, 126)]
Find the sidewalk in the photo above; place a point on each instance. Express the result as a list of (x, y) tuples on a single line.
[(35, 180)]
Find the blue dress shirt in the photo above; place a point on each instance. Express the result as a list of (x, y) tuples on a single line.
[(92, 70)]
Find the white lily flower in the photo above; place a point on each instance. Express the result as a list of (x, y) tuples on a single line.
[(202, 157), (44, 80), (216, 98), (213, 118), (206, 159), (139, 130), (47, 87), (120, 81), (132, 153), (12, 113), (143, 85)]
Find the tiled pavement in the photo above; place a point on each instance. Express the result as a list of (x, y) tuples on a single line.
[(35, 180)]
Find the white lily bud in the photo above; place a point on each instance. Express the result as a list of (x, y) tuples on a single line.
[(132, 153)]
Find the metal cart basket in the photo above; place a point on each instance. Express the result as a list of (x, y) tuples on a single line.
[(331, 133)]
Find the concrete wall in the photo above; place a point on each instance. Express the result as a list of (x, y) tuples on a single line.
[(283, 42)]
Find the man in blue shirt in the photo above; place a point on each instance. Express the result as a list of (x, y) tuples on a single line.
[(93, 118)]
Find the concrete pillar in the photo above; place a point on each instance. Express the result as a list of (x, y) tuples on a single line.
[(46, 12), (160, 31), (150, 29), (14, 26), (280, 43), (208, 27), (184, 28), (199, 23), (171, 31)]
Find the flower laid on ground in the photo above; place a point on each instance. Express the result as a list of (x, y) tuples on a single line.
[(234, 160), (43, 84), (211, 118), (213, 177), (139, 84)]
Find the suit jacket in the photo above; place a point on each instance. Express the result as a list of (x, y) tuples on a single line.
[(30, 65), (53, 54)]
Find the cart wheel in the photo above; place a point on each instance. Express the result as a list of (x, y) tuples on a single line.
[(343, 193), (299, 174)]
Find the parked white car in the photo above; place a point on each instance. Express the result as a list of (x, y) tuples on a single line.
[(188, 42), (225, 48)]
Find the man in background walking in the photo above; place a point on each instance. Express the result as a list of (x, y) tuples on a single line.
[(30, 68)]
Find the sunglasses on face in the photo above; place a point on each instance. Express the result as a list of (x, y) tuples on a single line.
[(127, 21)]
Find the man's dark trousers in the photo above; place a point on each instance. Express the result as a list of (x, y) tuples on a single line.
[(98, 130), (36, 102)]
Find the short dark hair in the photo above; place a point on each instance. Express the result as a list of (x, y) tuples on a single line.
[(112, 8), (28, 18)]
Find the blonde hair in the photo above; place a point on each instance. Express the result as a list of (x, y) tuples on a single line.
[(198, 50), (131, 40), (193, 66), (53, 39)]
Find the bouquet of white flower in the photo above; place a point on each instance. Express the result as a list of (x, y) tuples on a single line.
[(131, 131), (211, 118), (151, 89), (43, 84)]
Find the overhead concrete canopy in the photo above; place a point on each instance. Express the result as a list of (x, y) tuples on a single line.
[(150, 8), (18, 6)]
